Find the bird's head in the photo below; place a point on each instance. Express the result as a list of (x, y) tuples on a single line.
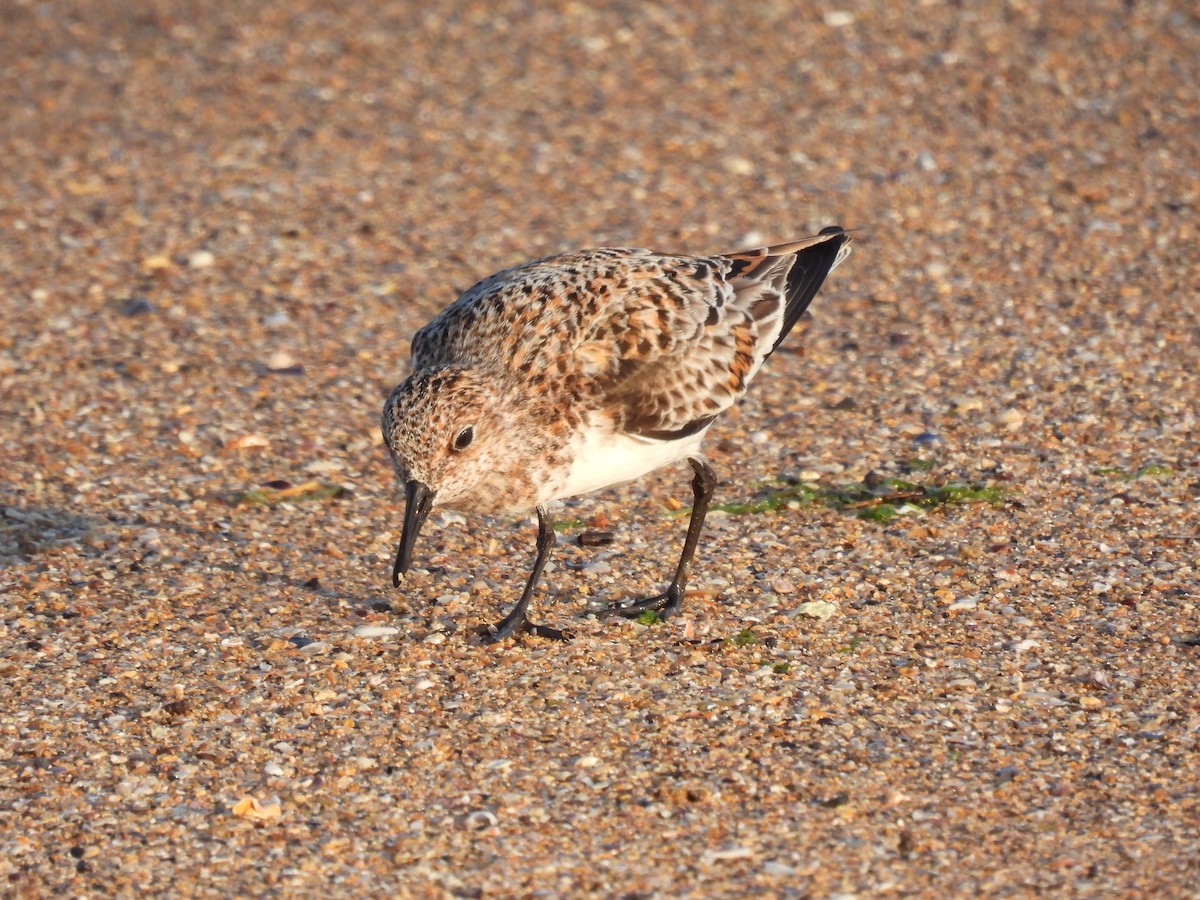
[(443, 431)]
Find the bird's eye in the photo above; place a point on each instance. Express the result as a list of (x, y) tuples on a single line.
[(464, 437)]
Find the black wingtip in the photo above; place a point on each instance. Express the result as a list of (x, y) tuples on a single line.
[(808, 273)]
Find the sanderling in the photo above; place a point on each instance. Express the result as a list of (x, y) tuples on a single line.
[(576, 372)]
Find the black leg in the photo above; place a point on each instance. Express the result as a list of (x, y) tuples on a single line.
[(668, 602), (518, 619)]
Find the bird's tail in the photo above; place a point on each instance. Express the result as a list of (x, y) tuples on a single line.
[(797, 268)]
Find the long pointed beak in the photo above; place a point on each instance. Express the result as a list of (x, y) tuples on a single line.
[(419, 501)]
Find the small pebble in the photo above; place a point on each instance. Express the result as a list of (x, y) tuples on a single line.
[(281, 360), (965, 403), (728, 854), (595, 538), (481, 818), (1012, 419), (937, 271), (324, 466), (375, 631), (136, 306), (815, 609), (738, 165), (774, 869)]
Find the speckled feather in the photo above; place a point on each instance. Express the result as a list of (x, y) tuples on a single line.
[(661, 341)]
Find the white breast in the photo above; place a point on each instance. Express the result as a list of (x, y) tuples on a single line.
[(603, 459)]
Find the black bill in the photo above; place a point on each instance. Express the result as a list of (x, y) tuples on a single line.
[(419, 502)]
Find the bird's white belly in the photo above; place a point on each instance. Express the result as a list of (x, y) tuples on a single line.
[(603, 459)]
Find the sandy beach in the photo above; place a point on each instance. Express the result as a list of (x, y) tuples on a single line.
[(942, 635)]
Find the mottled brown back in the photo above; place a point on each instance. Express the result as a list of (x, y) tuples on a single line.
[(661, 343)]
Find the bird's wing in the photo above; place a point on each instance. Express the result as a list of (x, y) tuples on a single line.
[(662, 343), (692, 332), (671, 351)]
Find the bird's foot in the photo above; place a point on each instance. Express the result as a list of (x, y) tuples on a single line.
[(495, 633), (663, 605)]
